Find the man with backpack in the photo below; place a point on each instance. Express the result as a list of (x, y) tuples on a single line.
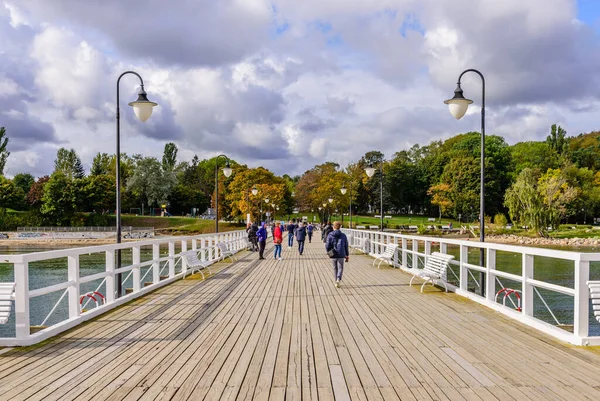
[(328, 229), (338, 251)]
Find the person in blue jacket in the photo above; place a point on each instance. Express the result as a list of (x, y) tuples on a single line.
[(338, 242), (262, 240), (309, 230), (300, 234), (291, 227)]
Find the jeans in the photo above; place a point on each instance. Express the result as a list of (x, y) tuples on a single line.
[(300, 246), (309, 236), (261, 249), (277, 250), (290, 239), (338, 267)]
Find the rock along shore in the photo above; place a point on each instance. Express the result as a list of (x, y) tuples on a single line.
[(518, 240)]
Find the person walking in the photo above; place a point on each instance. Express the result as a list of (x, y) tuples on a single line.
[(290, 230), (277, 240), (309, 232), (328, 229), (252, 230), (262, 240), (338, 252), (300, 233)]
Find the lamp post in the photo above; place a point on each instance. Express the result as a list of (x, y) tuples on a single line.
[(371, 172), (227, 170), (142, 108), (343, 191), (458, 106)]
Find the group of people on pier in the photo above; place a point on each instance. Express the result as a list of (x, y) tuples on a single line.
[(336, 242)]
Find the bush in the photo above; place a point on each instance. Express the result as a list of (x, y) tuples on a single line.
[(500, 220)]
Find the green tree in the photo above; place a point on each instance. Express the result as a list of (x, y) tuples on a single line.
[(36, 192), (10, 194), (149, 183), (101, 164), (68, 163), (169, 159), (100, 193), (59, 201), (525, 203), (557, 194), (557, 139), (23, 182), (533, 155), (3, 152)]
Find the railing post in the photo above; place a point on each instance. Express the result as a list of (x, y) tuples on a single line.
[(183, 262), (110, 277), (581, 318), (490, 281), (527, 289), (464, 274), (156, 264), (73, 290), (404, 257), (415, 249), (194, 244), (171, 259), (22, 323), (203, 249), (135, 275)]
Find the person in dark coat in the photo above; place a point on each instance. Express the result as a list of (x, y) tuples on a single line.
[(300, 234), (328, 228), (338, 242), (309, 231), (252, 230), (262, 240), (291, 227)]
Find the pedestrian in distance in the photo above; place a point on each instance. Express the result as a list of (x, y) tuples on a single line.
[(338, 252), (290, 230), (277, 240), (252, 230), (262, 240), (328, 229), (300, 234), (309, 232)]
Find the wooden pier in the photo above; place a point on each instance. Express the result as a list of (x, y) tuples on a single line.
[(280, 330)]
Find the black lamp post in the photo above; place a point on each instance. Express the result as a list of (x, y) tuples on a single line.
[(227, 172), (371, 172), (343, 191), (458, 107), (142, 108)]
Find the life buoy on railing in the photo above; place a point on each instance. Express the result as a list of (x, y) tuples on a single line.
[(94, 296), (507, 293)]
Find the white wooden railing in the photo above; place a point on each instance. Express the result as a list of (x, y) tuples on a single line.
[(413, 251), (172, 264)]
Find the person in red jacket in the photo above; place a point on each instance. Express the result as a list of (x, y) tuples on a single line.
[(277, 240)]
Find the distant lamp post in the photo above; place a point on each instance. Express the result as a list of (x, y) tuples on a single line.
[(458, 106), (254, 191), (227, 170), (370, 170), (330, 200), (142, 108), (343, 190)]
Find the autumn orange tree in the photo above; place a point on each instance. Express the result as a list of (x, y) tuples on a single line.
[(440, 196), (239, 192)]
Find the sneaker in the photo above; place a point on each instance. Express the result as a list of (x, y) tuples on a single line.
[(337, 284), (280, 258)]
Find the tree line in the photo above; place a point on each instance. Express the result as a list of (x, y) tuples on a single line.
[(537, 183)]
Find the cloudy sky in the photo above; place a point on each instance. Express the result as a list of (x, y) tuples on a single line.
[(288, 84)]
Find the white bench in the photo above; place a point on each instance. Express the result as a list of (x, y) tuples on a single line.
[(360, 227), (7, 291), (414, 228), (194, 264), (595, 297), (360, 244), (373, 227), (387, 255), (225, 252), (435, 269)]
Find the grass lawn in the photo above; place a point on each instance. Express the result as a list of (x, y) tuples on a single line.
[(177, 225)]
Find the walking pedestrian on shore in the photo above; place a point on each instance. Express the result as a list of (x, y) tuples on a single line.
[(290, 230), (262, 240), (252, 230), (338, 252), (300, 233), (309, 231), (277, 240)]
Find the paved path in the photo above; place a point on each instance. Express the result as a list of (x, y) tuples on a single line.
[(280, 330)]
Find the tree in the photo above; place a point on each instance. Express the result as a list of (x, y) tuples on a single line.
[(3, 152), (36, 192), (169, 159), (149, 183), (533, 155), (23, 182), (556, 194), (101, 164), (524, 201), (556, 140), (10, 194), (440, 196), (59, 201), (68, 163), (99, 193)]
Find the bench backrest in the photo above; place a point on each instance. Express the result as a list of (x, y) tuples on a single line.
[(437, 263), (390, 250), (222, 246), (6, 295), (191, 258), (595, 296)]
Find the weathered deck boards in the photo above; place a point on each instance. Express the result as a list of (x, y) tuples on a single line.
[(280, 330)]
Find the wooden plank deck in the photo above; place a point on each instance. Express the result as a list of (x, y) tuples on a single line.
[(280, 330)]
